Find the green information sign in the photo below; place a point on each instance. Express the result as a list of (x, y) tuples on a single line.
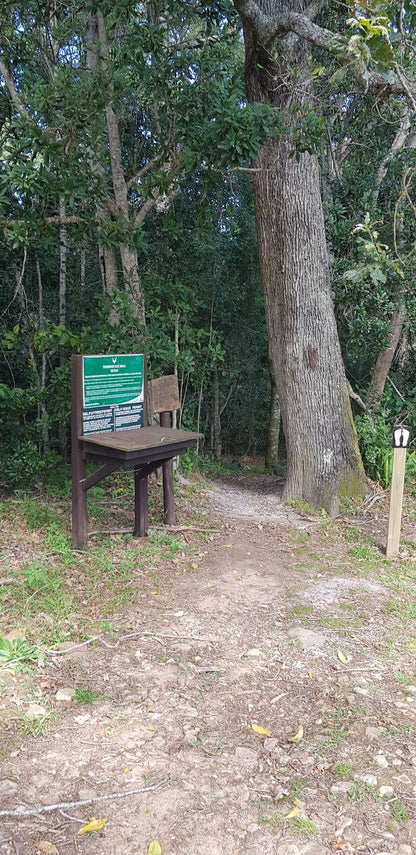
[(113, 392)]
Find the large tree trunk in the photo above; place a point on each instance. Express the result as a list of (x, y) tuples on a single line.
[(106, 254), (272, 448), (322, 451)]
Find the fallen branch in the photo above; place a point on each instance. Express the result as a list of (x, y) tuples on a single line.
[(185, 528), (178, 528), (16, 814), (154, 635), (90, 641), (372, 500)]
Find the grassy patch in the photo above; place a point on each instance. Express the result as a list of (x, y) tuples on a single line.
[(299, 611), (302, 826), (59, 595), (359, 792), (399, 811), (38, 515), (344, 770), (343, 626), (87, 696), (39, 724)]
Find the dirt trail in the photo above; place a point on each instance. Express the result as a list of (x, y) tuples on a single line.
[(265, 628)]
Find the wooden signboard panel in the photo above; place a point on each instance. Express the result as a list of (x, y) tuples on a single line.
[(112, 393)]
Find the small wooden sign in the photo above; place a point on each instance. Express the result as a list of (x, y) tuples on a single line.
[(401, 440), (164, 394)]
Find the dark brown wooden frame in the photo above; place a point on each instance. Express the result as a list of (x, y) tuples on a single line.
[(142, 449)]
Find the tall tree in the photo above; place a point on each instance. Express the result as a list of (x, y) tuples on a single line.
[(323, 458)]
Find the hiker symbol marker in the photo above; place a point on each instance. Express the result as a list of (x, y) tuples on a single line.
[(401, 437), (401, 441)]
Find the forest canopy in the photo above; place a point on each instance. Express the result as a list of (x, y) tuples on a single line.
[(139, 144)]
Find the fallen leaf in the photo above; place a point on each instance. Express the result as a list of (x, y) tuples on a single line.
[(292, 813), (341, 657), (262, 730), (298, 736), (154, 848), (45, 846), (254, 652), (340, 845), (94, 825), (194, 566)]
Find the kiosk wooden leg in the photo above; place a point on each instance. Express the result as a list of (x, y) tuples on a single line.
[(168, 494), (79, 466), (79, 506), (167, 471), (141, 512)]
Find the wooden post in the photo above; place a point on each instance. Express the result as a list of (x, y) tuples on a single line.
[(396, 502), (167, 473), (141, 504), (79, 468)]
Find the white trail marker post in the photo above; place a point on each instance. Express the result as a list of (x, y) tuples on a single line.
[(401, 439)]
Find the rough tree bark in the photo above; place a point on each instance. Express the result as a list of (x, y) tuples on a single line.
[(323, 458), (273, 434), (106, 254)]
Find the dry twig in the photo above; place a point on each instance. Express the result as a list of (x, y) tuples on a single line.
[(15, 814)]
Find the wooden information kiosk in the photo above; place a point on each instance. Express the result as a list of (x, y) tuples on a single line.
[(109, 428)]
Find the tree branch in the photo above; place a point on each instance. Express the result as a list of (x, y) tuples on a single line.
[(14, 97), (268, 27), (141, 172), (398, 143), (355, 396), (47, 221)]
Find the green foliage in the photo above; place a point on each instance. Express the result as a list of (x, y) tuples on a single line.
[(375, 438), (369, 291), (399, 810), (35, 575), (15, 654), (174, 76), (87, 696), (59, 544)]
